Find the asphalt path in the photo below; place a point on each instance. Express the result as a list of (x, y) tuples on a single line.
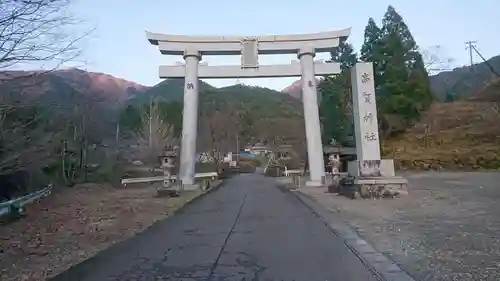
[(248, 229)]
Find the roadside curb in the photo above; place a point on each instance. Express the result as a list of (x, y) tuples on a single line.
[(199, 197), (376, 262)]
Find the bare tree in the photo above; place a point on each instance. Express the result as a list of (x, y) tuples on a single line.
[(217, 133), (154, 136), (435, 59), (24, 143), (37, 32)]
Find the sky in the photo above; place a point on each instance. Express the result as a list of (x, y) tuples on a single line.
[(118, 45)]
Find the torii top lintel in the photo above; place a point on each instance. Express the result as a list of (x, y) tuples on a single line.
[(232, 45)]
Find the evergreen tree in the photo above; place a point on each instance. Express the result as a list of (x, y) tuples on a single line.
[(404, 81), (401, 80), (130, 118), (419, 84), (371, 49), (393, 24), (336, 99), (344, 54)]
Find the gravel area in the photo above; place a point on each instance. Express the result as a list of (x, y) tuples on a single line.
[(447, 228), (76, 223)]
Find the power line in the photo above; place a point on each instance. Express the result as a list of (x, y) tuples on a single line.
[(485, 61), (470, 45)]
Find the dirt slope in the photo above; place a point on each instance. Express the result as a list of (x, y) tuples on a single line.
[(462, 135)]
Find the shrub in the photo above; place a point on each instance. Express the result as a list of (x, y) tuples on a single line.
[(224, 171)]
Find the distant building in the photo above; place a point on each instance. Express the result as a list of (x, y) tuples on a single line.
[(259, 150)]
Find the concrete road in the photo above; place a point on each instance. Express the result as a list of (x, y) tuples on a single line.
[(247, 230)]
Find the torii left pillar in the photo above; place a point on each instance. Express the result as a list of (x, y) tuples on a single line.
[(189, 120)]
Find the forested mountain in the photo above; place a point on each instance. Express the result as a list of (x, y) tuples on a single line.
[(240, 110), (459, 83), (464, 82)]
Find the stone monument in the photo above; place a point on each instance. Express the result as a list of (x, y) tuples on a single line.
[(369, 169)]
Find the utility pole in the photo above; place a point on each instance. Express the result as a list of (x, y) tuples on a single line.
[(237, 148), (117, 133), (470, 47), (150, 122)]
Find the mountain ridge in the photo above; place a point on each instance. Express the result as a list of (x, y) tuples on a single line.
[(459, 83), (32, 85)]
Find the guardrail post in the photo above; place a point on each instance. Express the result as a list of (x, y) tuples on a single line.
[(15, 210), (296, 181)]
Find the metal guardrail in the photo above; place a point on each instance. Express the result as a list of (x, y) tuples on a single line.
[(16, 205)]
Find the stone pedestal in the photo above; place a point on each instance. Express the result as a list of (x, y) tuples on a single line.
[(314, 184), (190, 187), (382, 168), (379, 179)]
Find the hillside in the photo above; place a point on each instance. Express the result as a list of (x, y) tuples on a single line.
[(71, 87), (261, 102), (68, 86), (69, 97), (464, 81), (167, 90), (491, 92), (461, 135), (71, 94)]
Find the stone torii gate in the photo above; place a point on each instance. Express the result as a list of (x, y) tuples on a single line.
[(192, 48)]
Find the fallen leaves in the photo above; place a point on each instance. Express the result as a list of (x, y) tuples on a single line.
[(74, 224)]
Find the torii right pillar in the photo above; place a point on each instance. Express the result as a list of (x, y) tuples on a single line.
[(311, 118)]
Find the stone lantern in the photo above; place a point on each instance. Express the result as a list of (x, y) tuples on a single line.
[(167, 163)]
